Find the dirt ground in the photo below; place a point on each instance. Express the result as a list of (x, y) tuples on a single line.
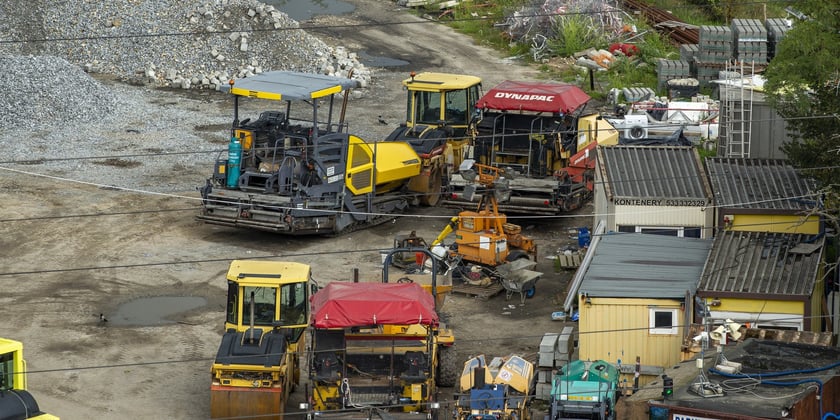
[(60, 273)]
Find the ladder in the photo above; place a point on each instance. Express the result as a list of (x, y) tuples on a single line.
[(737, 95)]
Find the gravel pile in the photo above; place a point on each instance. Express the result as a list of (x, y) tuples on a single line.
[(185, 44), (47, 91), (61, 122)]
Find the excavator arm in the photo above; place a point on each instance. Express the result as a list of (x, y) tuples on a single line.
[(449, 228)]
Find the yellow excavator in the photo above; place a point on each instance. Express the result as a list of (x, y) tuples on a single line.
[(15, 401), (257, 364)]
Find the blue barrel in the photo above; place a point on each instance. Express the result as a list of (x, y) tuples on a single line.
[(584, 237), (234, 157)]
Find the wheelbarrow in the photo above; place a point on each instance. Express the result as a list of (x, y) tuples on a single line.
[(517, 277)]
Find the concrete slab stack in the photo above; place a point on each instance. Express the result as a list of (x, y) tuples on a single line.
[(776, 29), (689, 52), (750, 41), (715, 50), (715, 46), (671, 69), (555, 351), (638, 94)]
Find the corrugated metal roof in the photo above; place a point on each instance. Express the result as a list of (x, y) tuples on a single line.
[(654, 172), (645, 266), (762, 263), (758, 184)]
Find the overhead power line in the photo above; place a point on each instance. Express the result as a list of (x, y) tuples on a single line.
[(293, 255), (530, 217), (518, 338)]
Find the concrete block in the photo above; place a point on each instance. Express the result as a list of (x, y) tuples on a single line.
[(549, 342), (543, 392), (544, 376), (546, 360), (565, 343)]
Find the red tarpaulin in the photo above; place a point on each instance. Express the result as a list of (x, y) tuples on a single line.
[(532, 96), (344, 304)]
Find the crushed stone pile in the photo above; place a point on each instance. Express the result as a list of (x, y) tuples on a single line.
[(47, 91), (184, 44), (63, 121)]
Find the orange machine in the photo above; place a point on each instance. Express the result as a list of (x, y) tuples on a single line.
[(484, 236)]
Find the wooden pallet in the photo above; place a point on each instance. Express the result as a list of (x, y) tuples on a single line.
[(481, 292)]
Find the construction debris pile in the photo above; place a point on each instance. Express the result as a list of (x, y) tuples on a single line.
[(537, 25)]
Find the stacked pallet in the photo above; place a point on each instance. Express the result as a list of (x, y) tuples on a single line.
[(776, 29), (714, 52), (750, 41), (671, 69), (689, 52), (555, 351), (715, 44)]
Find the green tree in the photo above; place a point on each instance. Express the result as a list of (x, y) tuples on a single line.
[(803, 84)]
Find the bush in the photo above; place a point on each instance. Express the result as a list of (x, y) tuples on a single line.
[(574, 33)]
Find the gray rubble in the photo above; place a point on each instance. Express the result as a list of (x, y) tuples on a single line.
[(183, 44), (68, 118)]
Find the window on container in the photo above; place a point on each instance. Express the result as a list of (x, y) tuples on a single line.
[(660, 230), (626, 229), (779, 325), (691, 232), (663, 321)]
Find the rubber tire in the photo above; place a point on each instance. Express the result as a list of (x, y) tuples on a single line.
[(448, 371), (432, 196), (517, 254), (531, 292)]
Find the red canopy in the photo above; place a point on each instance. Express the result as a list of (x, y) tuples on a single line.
[(345, 304), (533, 96)]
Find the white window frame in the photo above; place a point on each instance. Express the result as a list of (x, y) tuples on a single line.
[(680, 229), (653, 329), (762, 320), (676, 228)]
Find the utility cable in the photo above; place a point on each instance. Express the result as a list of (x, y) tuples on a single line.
[(577, 333), (47, 159), (395, 215), (277, 256)]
